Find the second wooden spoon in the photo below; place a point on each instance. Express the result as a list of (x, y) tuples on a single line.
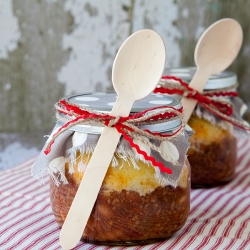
[(215, 51)]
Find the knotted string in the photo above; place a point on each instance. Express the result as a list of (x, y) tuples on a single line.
[(218, 107), (128, 126)]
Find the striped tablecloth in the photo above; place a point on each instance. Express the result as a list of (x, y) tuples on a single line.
[(219, 217)]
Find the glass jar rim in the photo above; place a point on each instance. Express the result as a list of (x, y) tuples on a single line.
[(221, 80), (90, 100)]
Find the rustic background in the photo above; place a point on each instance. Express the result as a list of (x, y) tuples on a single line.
[(51, 48)]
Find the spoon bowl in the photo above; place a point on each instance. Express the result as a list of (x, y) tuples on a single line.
[(219, 45), (143, 50)]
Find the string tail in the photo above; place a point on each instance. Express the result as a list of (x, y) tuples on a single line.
[(144, 154)]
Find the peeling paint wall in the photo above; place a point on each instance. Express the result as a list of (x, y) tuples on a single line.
[(52, 48), (100, 27), (9, 30), (28, 74)]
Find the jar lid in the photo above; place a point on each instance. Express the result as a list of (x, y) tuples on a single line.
[(104, 101), (222, 80)]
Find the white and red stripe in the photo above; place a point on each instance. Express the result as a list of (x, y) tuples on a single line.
[(219, 217)]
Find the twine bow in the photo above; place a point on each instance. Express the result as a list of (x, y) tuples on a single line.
[(208, 100), (129, 126)]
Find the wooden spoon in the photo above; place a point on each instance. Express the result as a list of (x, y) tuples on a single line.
[(215, 51), (137, 68)]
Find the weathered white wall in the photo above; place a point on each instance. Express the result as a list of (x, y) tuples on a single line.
[(51, 48), (9, 31), (100, 27)]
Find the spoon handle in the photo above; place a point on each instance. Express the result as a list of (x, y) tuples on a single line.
[(90, 185), (198, 83)]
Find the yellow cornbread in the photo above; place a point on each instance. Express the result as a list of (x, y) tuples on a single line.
[(205, 131), (125, 176), (212, 153)]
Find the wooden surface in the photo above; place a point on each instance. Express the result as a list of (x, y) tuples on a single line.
[(52, 48)]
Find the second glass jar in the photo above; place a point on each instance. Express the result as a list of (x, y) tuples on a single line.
[(213, 151)]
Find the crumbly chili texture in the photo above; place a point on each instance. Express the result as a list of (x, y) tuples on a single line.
[(126, 217), (212, 155)]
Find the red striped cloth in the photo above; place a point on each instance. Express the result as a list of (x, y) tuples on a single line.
[(219, 217)]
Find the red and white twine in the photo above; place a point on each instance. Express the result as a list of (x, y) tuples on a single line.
[(221, 108), (129, 127)]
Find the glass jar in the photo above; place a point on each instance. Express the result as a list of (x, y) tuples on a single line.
[(213, 151), (137, 203)]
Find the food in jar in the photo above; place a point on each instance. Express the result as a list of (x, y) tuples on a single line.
[(215, 121), (145, 196), (212, 153), (131, 208)]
